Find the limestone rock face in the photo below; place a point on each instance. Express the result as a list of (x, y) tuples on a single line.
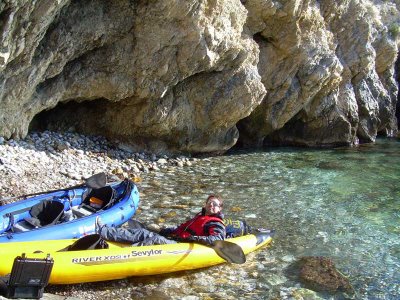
[(328, 70), (170, 75), (196, 76)]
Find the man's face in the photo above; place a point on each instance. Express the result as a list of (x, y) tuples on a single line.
[(213, 206)]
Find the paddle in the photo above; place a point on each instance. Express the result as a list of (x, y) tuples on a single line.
[(229, 251), (96, 181)]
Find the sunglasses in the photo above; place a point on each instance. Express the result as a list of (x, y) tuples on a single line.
[(213, 203)]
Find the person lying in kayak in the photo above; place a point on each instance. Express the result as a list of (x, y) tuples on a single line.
[(206, 227)]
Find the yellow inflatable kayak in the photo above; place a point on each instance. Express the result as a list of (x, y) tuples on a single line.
[(121, 260)]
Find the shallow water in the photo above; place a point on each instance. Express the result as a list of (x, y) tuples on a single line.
[(341, 203)]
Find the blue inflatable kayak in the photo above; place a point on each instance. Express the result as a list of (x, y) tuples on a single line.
[(68, 213)]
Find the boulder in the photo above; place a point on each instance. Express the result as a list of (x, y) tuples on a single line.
[(320, 274)]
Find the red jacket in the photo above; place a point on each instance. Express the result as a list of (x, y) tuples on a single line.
[(203, 229), (197, 226)]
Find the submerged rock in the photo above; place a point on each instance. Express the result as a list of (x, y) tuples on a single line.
[(320, 274)]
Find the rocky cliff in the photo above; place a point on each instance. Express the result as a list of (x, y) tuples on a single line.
[(201, 76)]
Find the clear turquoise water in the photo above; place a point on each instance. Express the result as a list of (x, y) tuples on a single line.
[(341, 203)]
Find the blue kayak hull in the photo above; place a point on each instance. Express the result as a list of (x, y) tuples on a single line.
[(74, 223)]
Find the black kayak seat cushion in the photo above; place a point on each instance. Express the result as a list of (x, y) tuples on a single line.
[(88, 242), (45, 213), (105, 194)]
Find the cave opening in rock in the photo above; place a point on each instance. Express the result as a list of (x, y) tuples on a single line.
[(41, 121), (66, 116)]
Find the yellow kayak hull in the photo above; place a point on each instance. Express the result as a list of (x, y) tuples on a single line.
[(120, 260)]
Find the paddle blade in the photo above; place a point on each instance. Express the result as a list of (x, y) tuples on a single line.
[(96, 181), (229, 251)]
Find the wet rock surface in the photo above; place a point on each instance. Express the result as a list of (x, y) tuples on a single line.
[(320, 274)]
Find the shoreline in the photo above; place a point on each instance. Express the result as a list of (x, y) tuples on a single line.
[(130, 288)]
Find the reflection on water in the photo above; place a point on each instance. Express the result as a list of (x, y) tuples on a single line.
[(342, 203)]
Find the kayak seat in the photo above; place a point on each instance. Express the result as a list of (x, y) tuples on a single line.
[(44, 213), (94, 200), (88, 242), (98, 198)]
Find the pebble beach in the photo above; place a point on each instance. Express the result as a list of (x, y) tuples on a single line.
[(49, 160)]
